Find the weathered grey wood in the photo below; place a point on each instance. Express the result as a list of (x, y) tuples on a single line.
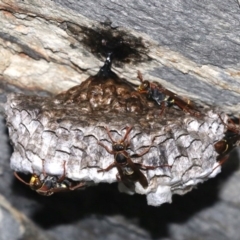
[(193, 45), (15, 225)]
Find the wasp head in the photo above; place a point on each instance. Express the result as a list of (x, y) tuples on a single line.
[(119, 146), (35, 182), (144, 87)]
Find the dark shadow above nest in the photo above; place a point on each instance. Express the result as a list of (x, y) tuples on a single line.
[(102, 39)]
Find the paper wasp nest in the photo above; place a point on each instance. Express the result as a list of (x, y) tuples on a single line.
[(67, 128)]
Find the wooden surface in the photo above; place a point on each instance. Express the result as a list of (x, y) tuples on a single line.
[(193, 46)]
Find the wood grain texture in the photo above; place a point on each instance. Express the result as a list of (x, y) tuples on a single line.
[(192, 46)]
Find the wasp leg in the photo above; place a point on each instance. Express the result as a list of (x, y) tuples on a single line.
[(222, 161), (79, 185), (108, 168), (136, 155), (106, 148), (145, 167), (162, 106)]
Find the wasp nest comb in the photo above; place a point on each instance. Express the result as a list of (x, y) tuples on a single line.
[(103, 128)]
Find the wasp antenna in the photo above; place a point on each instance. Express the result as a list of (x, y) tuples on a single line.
[(20, 179), (109, 134), (139, 76), (127, 133)]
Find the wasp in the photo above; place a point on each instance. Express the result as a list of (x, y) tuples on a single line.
[(229, 142), (128, 171), (226, 144), (48, 185), (164, 97)]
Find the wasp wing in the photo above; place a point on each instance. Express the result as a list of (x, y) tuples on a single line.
[(137, 175)]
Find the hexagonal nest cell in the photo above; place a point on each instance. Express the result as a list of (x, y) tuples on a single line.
[(72, 135)]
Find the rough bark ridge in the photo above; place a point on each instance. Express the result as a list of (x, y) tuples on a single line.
[(48, 45)]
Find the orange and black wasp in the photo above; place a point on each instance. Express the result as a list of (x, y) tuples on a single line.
[(229, 142), (164, 97), (128, 171), (48, 185)]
